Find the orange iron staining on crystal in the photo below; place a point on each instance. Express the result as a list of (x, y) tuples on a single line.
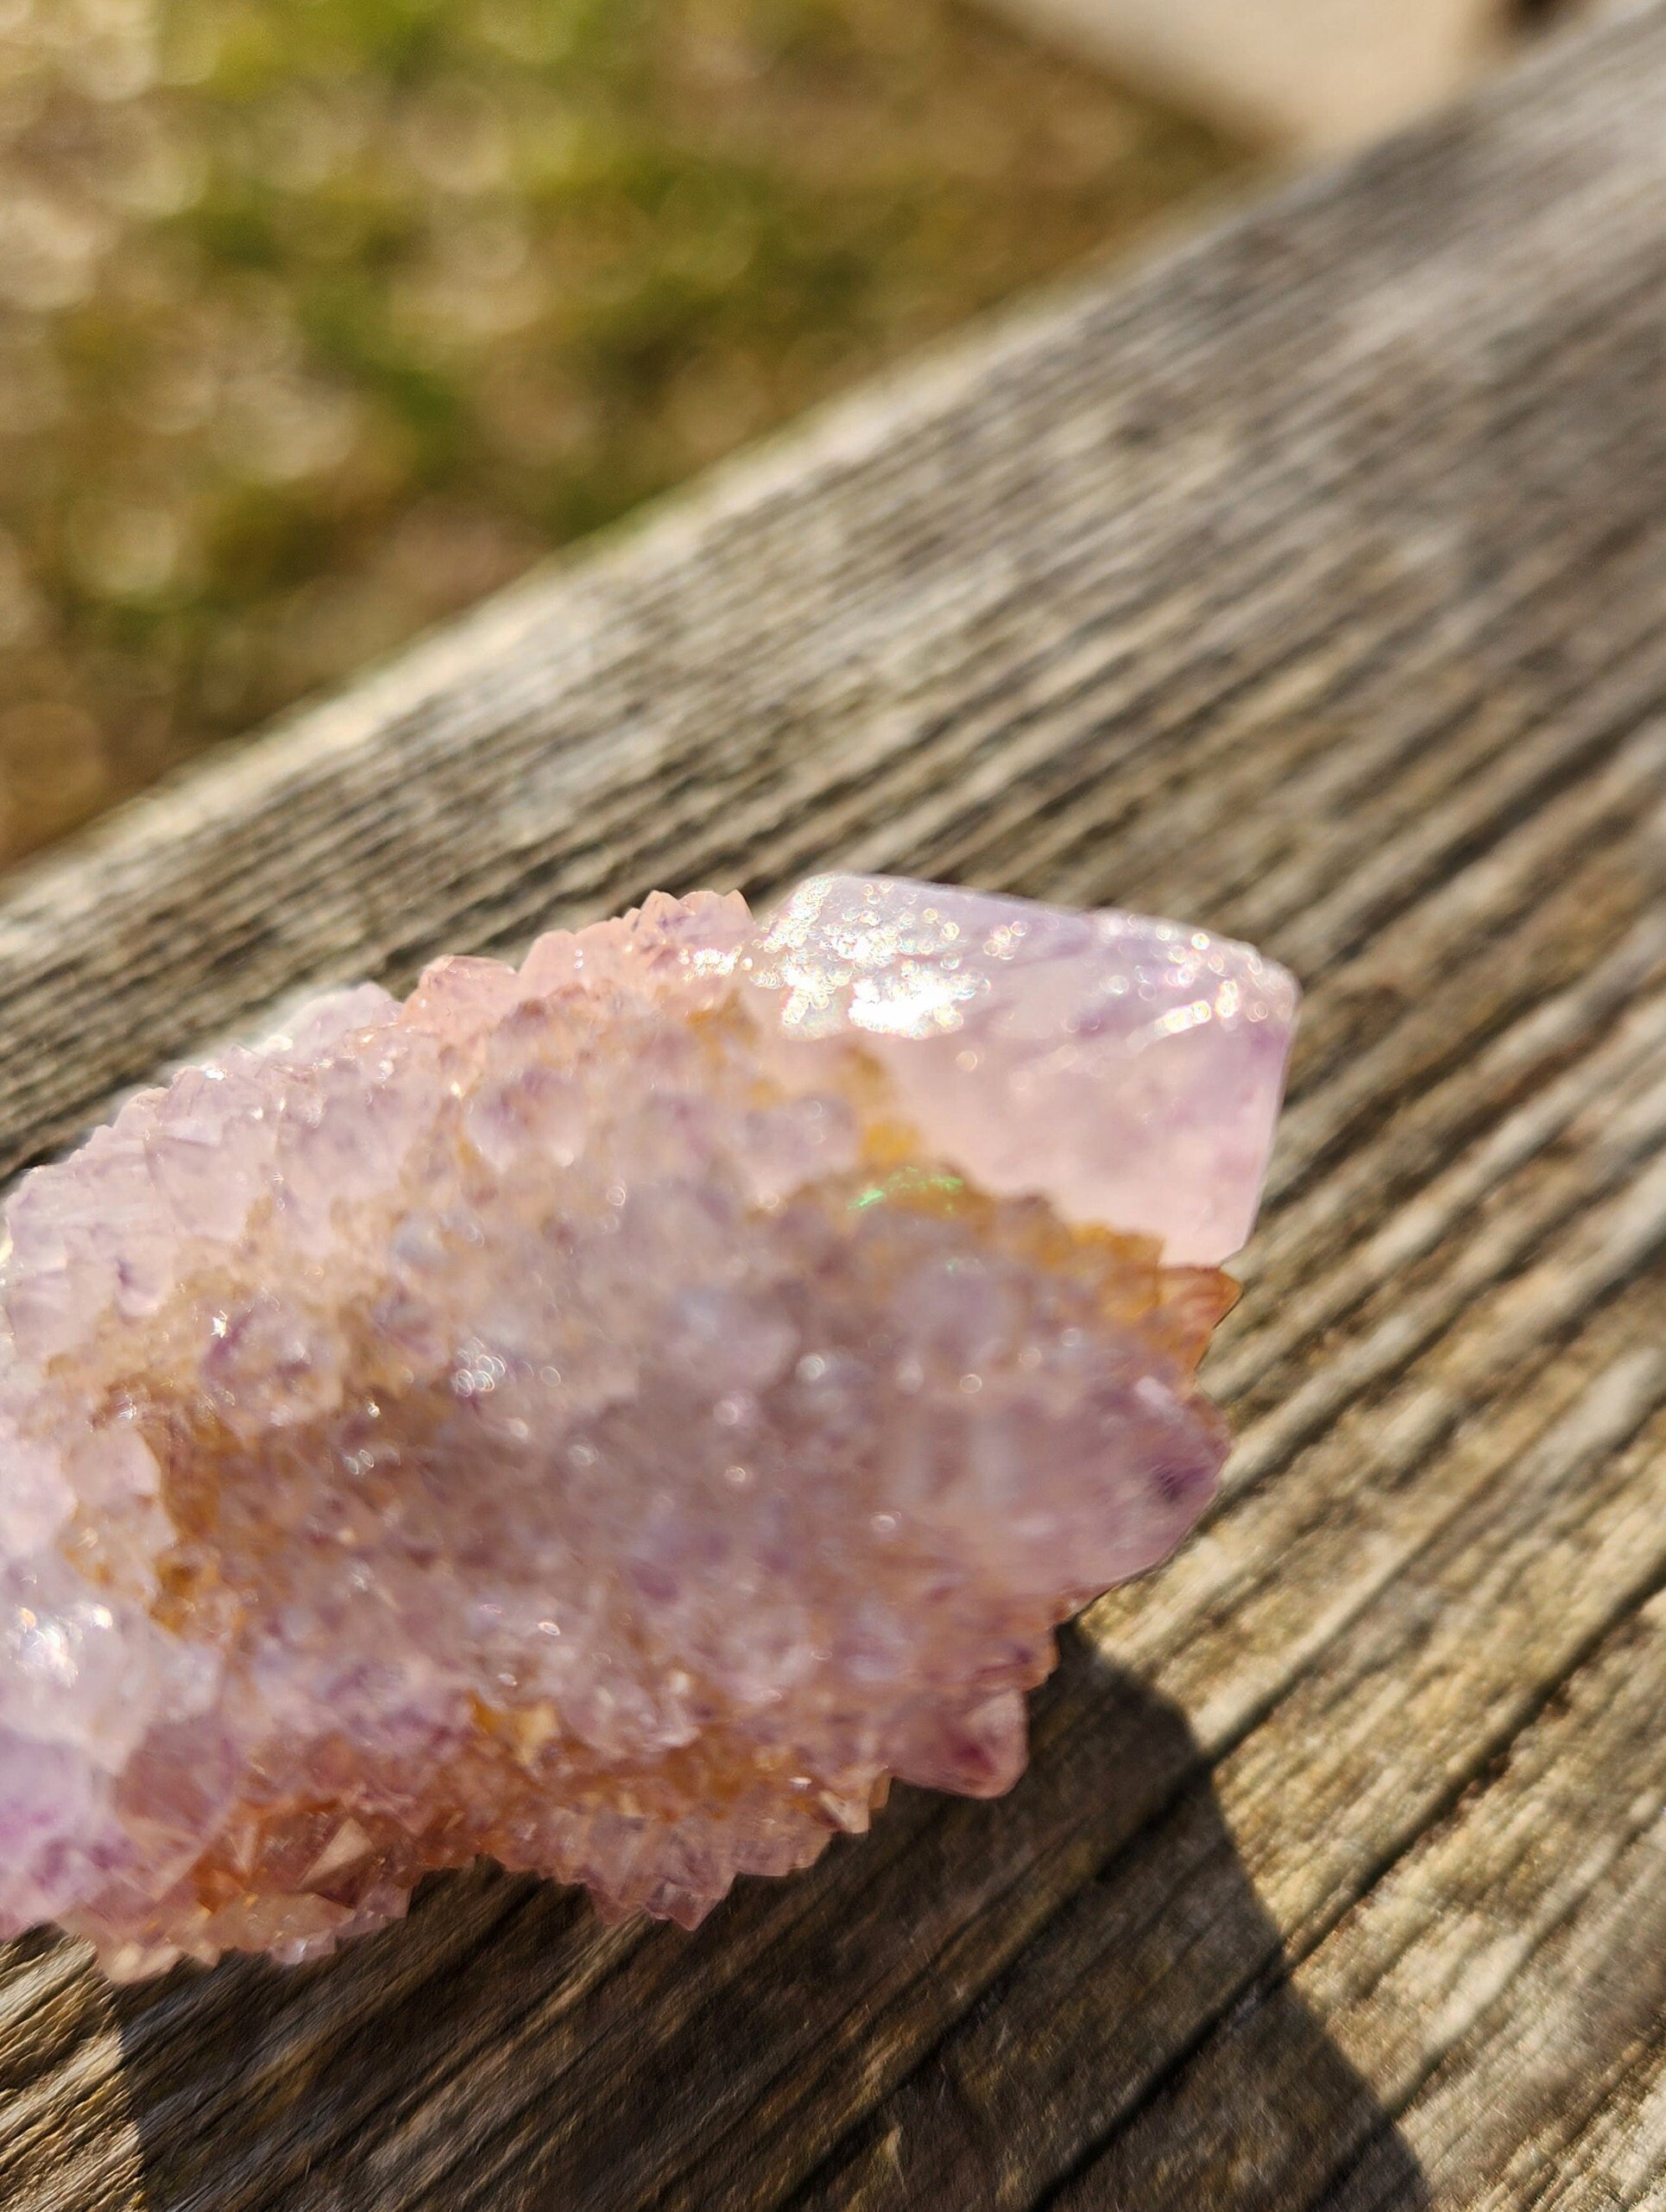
[(612, 1416)]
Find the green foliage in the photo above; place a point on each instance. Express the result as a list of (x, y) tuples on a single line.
[(319, 318)]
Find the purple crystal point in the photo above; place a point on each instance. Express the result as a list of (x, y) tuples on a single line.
[(613, 1414), (1129, 1070)]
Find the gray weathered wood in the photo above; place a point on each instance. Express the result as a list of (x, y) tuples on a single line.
[(1312, 585)]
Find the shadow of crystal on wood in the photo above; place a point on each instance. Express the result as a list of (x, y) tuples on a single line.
[(1069, 1997)]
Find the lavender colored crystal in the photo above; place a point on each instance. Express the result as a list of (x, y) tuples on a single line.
[(613, 1415), (1129, 1070)]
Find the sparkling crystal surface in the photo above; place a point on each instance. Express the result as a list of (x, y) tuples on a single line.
[(612, 1416), (1129, 1070)]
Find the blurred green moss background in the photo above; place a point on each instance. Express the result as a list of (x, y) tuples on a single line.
[(319, 318)]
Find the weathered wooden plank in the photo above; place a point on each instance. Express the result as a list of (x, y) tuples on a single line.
[(1314, 584), (1529, 1929)]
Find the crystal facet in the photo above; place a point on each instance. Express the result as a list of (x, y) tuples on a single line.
[(612, 1416)]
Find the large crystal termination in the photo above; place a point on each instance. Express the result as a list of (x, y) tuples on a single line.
[(612, 1416)]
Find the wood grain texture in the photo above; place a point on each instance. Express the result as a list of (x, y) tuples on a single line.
[(1312, 585)]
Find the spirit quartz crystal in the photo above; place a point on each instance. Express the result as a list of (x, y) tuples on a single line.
[(612, 1415)]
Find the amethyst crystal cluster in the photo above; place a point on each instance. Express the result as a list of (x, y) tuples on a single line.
[(612, 1415)]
